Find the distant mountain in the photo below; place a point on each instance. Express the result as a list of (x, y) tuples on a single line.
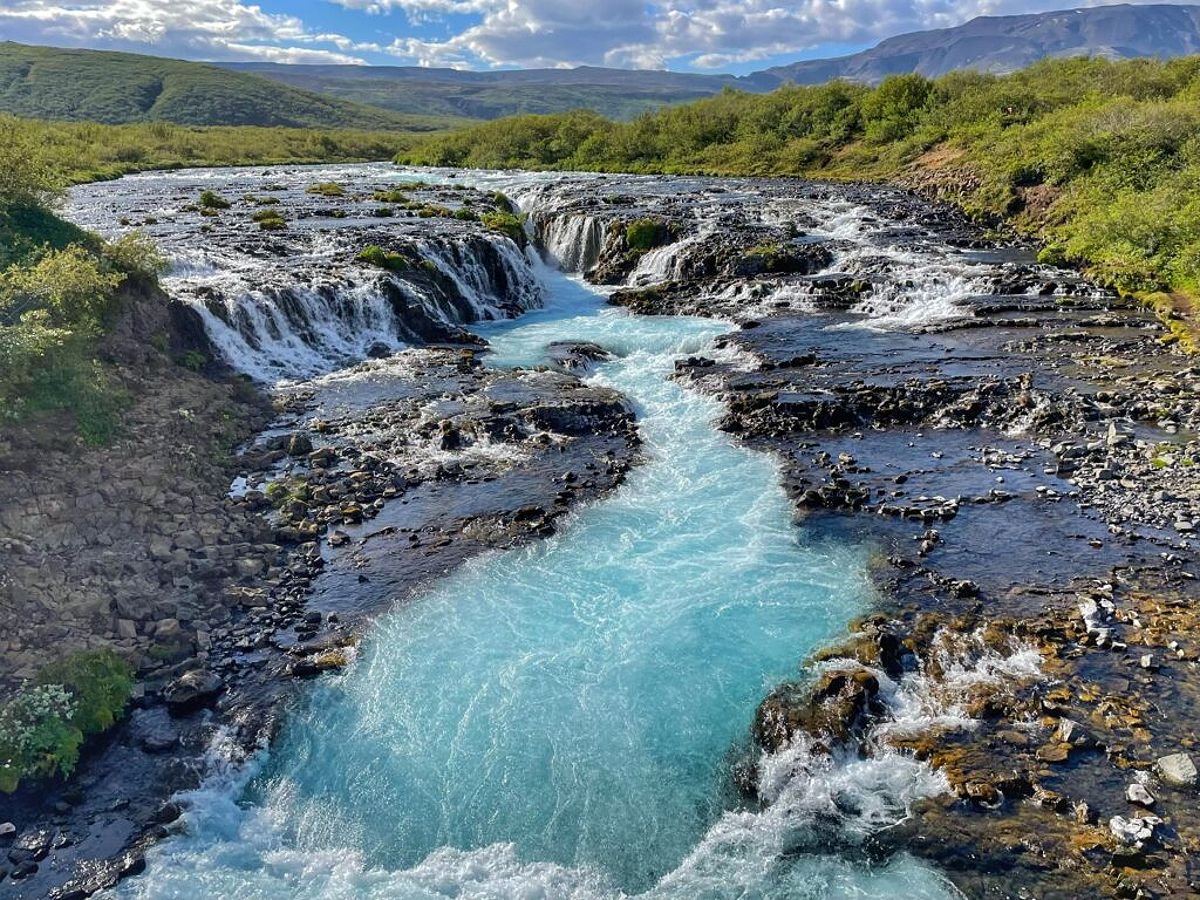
[(1002, 44), (617, 93), (122, 87), (988, 43), (116, 88)]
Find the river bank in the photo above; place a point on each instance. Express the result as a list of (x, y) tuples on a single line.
[(227, 599), (1024, 462), (1013, 442)]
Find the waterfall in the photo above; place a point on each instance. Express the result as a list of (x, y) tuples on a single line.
[(666, 263), (309, 315), (572, 242), (299, 330)]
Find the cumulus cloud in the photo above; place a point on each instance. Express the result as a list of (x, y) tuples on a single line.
[(625, 33), (702, 33), (198, 29)]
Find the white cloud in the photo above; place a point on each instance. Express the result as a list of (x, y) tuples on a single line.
[(198, 29), (626, 33), (705, 33)]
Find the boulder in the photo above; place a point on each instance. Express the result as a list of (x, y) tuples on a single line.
[(839, 706), (1177, 770), (1139, 794), (299, 444), (192, 691)]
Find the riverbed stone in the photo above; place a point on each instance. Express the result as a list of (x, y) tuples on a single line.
[(192, 691), (1177, 770)]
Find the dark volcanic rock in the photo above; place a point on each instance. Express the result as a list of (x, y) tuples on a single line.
[(192, 691)]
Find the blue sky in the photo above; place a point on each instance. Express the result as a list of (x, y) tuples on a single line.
[(737, 36)]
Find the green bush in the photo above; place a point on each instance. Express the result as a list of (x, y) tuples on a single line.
[(507, 224), (50, 312), (136, 254), (30, 174), (326, 189), (44, 725), (385, 259), (644, 234), (213, 200), (193, 360), (70, 285)]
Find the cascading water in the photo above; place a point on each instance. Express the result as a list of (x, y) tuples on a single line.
[(559, 721), (298, 303), (571, 242)]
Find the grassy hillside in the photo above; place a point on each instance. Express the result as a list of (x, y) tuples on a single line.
[(617, 93), (117, 88), (85, 151), (1099, 160)]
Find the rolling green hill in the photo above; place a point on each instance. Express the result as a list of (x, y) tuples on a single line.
[(616, 93), (121, 88)]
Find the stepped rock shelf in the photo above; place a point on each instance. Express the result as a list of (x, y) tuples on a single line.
[(818, 541)]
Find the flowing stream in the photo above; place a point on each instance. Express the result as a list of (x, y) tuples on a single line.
[(561, 720)]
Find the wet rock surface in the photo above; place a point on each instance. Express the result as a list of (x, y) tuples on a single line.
[(1017, 444), (408, 463), (1024, 460)]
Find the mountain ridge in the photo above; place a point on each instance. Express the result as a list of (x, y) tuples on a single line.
[(112, 87), (122, 88), (1002, 44)]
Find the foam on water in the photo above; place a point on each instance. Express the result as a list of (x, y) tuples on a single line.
[(556, 721)]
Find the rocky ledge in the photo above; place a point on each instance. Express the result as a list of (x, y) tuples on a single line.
[(1024, 464), (227, 600)]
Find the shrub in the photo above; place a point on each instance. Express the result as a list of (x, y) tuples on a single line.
[(385, 259), (644, 234), (43, 727), (213, 200), (136, 254), (30, 174), (507, 224), (326, 189), (193, 360), (69, 285), (100, 682)]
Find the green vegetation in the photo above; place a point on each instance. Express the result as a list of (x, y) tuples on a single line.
[(213, 200), (385, 259), (57, 289), (1099, 160), (44, 725), (507, 224), (121, 88), (79, 152), (51, 309), (270, 220), (326, 189), (645, 234), (393, 195)]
